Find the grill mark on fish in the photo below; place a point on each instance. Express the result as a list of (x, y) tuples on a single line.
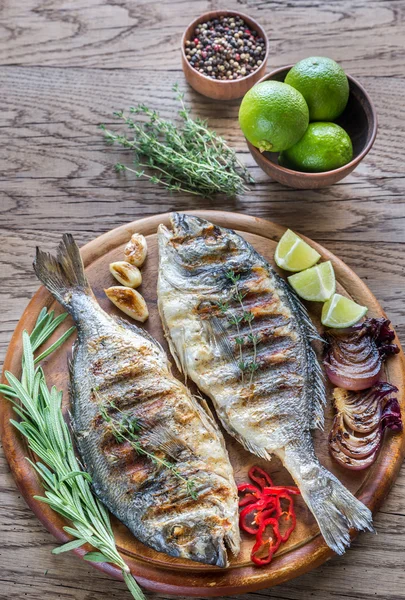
[(121, 369), (274, 409)]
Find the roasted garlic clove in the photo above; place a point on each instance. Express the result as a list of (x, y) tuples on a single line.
[(128, 275), (136, 249), (129, 301)]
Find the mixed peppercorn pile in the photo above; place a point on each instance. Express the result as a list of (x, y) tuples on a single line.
[(225, 48)]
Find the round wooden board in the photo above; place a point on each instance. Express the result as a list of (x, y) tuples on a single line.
[(155, 571)]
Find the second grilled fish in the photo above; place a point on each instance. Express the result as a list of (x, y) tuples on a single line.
[(120, 384), (240, 334)]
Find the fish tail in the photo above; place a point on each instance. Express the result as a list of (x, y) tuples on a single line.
[(335, 509), (64, 273)]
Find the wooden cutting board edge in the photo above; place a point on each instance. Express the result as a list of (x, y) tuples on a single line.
[(199, 582)]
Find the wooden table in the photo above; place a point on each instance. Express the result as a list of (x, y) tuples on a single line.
[(67, 66)]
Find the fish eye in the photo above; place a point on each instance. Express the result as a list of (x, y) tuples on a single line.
[(181, 534)]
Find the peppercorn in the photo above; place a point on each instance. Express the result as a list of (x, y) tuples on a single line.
[(225, 49)]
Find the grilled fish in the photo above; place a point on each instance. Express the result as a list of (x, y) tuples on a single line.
[(156, 457), (238, 331)]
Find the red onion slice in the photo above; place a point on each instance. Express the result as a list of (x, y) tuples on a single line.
[(358, 427), (354, 464), (349, 443), (354, 356)]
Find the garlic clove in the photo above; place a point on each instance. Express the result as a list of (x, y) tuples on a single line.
[(126, 274), (129, 301), (136, 249)]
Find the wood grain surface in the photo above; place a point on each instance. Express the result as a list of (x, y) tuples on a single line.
[(66, 65)]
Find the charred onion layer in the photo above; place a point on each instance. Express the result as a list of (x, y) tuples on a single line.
[(358, 427), (354, 356)]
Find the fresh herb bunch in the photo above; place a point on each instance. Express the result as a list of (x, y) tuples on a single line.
[(67, 487), (189, 157), (248, 367), (127, 430)]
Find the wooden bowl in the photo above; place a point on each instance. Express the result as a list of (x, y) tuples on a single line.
[(222, 90), (359, 119)]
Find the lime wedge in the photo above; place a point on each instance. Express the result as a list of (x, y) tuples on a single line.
[(340, 312), (317, 283), (293, 254)]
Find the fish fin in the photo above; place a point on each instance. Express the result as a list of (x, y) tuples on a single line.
[(138, 330), (316, 376), (247, 444), (178, 355), (335, 509), (166, 441), (318, 391), (258, 450), (303, 316), (219, 337), (64, 273)]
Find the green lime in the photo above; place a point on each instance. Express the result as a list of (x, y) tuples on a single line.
[(317, 283), (323, 147), (341, 312), (324, 85), (293, 254), (273, 116)]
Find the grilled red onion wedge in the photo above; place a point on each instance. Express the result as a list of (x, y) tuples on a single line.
[(358, 427), (355, 355)]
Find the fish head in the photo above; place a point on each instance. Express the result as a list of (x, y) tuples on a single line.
[(196, 254), (200, 540)]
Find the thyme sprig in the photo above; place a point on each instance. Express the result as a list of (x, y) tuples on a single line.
[(67, 488), (245, 366), (127, 430), (187, 157)]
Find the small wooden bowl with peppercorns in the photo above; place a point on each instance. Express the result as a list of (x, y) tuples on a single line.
[(224, 53)]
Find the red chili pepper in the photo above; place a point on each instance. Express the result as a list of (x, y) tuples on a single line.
[(260, 477), (266, 513), (264, 507), (291, 518), (277, 489), (251, 509), (255, 493), (273, 543), (286, 516)]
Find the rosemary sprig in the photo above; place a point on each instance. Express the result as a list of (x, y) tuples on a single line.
[(248, 317), (126, 430), (67, 487), (189, 157)]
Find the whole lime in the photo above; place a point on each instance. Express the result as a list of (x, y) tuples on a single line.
[(323, 147), (273, 116), (324, 85)]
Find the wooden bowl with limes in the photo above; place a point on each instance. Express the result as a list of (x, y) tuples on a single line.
[(359, 120)]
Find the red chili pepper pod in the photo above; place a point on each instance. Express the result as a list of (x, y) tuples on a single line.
[(274, 490), (289, 517), (260, 477), (286, 516), (265, 507), (251, 509), (269, 511), (272, 543), (254, 495)]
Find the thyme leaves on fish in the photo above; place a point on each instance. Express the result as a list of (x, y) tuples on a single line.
[(238, 295), (67, 488), (127, 430), (188, 157)]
